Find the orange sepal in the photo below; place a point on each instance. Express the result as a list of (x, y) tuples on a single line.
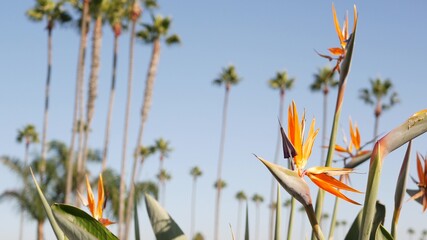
[(330, 185), (336, 51)]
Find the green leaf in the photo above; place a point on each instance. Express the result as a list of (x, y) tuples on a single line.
[(56, 229), (382, 234), (356, 227), (163, 225), (77, 224), (400, 190)]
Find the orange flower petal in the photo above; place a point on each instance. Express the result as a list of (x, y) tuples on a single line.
[(336, 51), (420, 170), (330, 171), (338, 148), (100, 205), (324, 183), (105, 221), (337, 25), (90, 198)]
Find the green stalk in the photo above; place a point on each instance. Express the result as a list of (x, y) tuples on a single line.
[(291, 218), (313, 221), (333, 219), (345, 69), (277, 228), (410, 129)]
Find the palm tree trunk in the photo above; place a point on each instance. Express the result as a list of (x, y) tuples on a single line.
[(324, 123), (92, 91), (46, 102), (239, 219), (257, 222), (193, 207), (80, 74), (220, 160), (377, 117), (40, 230), (110, 101), (122, 193), (148, 94), (276, 159), (21, 221)]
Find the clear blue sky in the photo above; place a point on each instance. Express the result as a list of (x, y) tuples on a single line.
[(259, 39)]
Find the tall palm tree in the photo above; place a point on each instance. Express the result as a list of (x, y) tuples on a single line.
[(302, 211), (52, 12), (411, 232), (28, 135), (97, 9), (241, 197), (323, 81), (144, 153), (78, 99), (162, 146), (112, 184), (344, 224), (163, 176), (151, 34), (324, 218), (375, 95), (424, 234), (115, 14), (52, 183), (195, 172), (228, 77), (198, 236), (135, 12), (257, 199), (282, 83)]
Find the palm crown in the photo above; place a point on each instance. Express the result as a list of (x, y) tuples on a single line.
[(281, 81), (228, 76), (157, 30), (323, 80), (50, 10)]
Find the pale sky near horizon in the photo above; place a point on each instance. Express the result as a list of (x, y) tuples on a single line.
[(259, 39)]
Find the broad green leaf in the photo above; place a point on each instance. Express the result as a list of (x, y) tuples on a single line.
[(382, 234), (79, 225), (164, 227), (353, 232), (56, 229)]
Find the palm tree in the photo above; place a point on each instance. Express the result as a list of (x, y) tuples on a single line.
[(135, 12), (241, 197), (344, 224), (144, 153), (228, 77), (112, 184), (162, 146), (424, 234), (195, 172), (198, 236), (257, 199), (282, 83), (115, 14), (411, 232), (52, 183), (78, 100), (54, 13), (29, 135), (96, 11), (323, 81), (163, 177), (375, 95), (151, 34), (324, 218)]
